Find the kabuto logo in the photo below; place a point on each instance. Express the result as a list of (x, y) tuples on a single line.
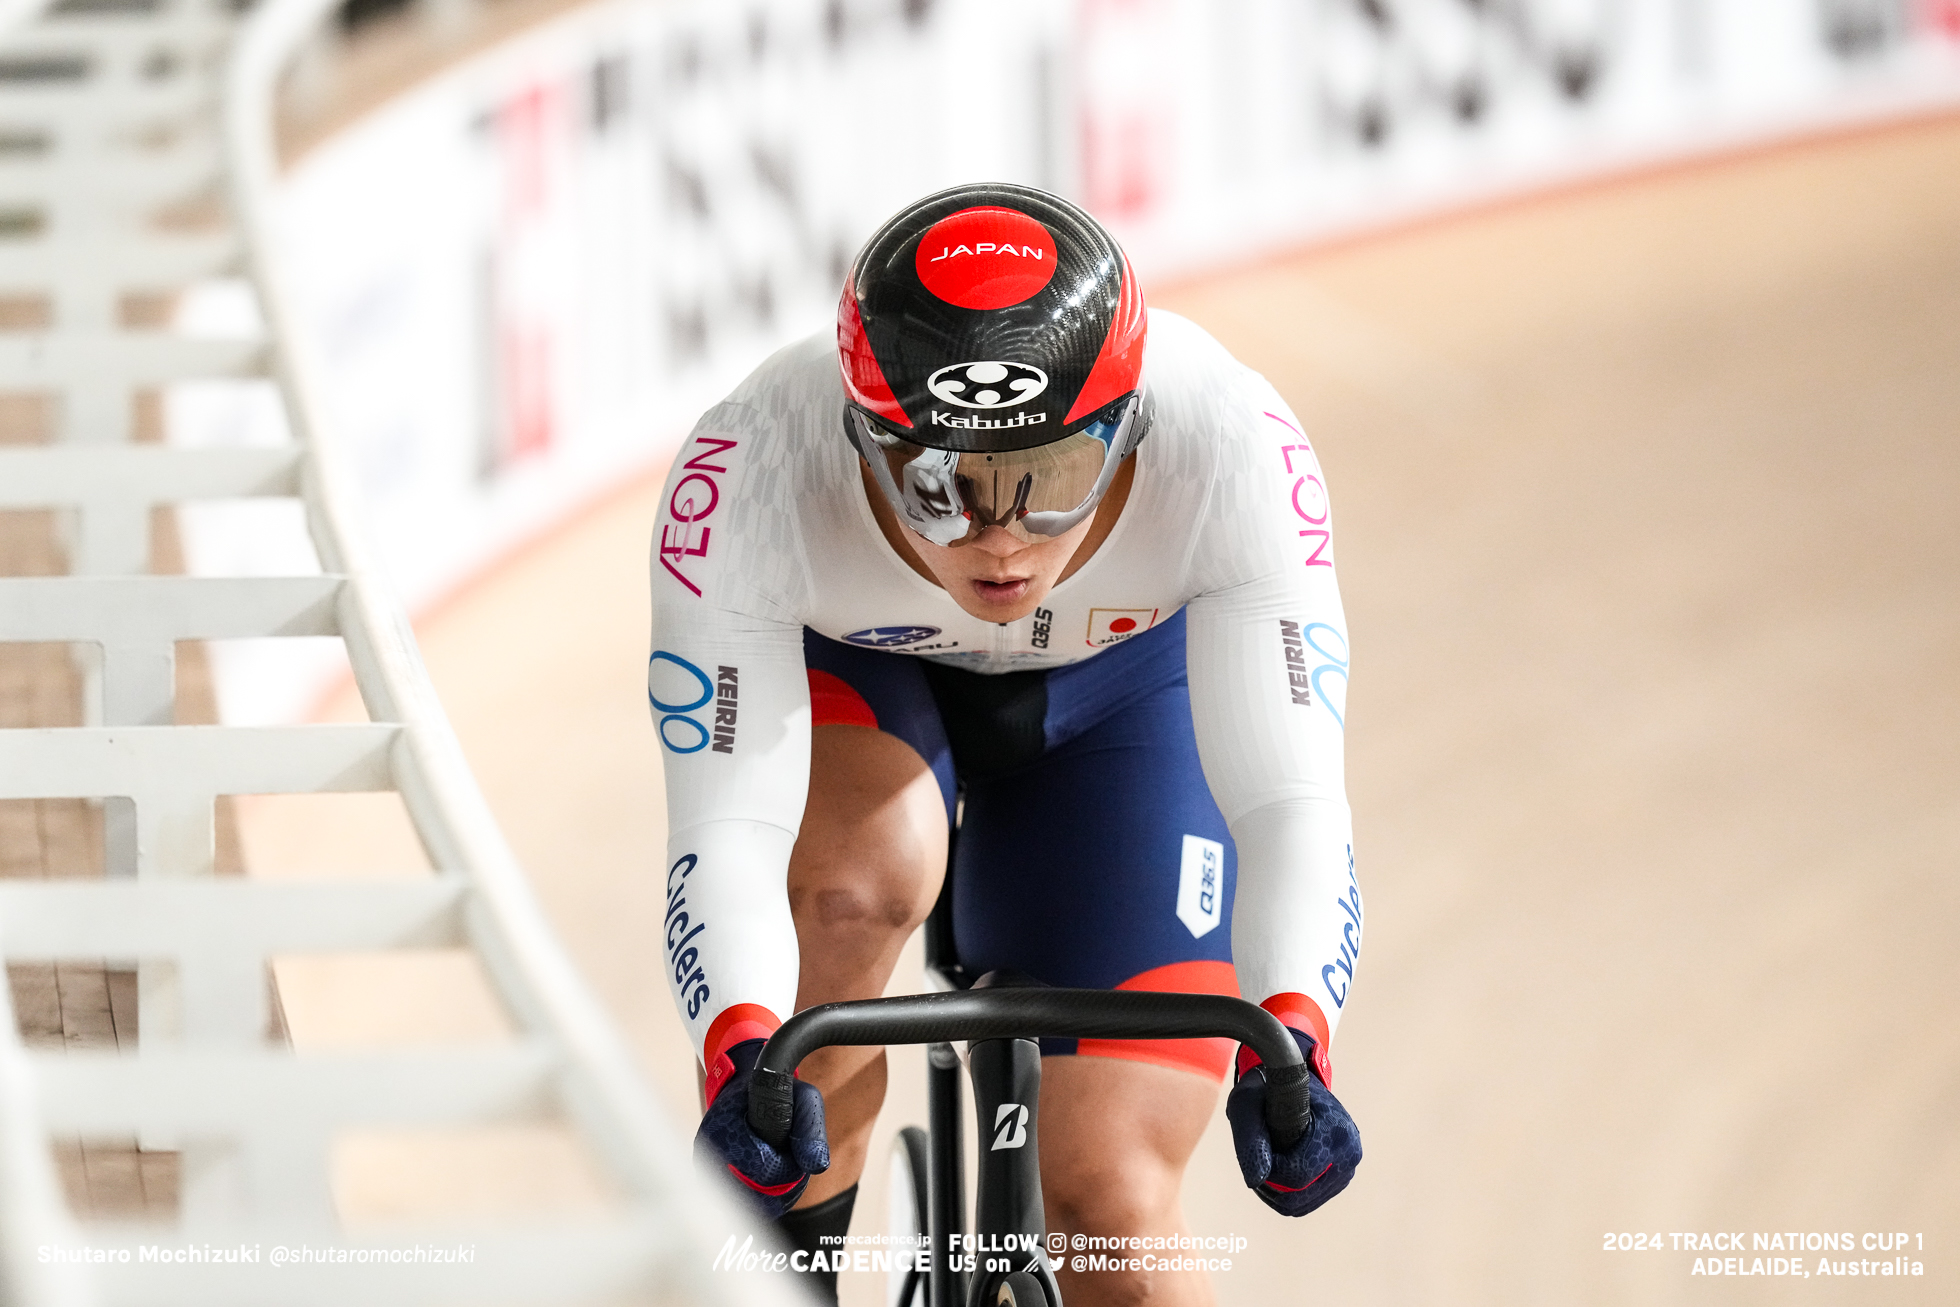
[(974, 422), (994, 384), (890, 637)]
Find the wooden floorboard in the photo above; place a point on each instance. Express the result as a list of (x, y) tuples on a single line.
[(83, 991), (37, 1004), (122, 1007), (84, 1004)]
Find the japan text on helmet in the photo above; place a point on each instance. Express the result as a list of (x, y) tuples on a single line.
[(991, 340)]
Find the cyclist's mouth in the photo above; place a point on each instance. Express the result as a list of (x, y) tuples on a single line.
[(1001, 592)]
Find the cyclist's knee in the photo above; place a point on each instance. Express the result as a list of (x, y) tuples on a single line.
[(880, 899), (874, 836), (1122, 1194), (876, 876), (1115, 1137)]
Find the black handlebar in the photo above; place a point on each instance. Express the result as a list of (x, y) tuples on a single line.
[(1031, 1014)]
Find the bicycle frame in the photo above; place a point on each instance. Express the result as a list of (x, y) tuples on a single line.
[(1003, 1026)]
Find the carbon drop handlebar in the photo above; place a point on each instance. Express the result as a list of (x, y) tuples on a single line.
[(1032, 1013)]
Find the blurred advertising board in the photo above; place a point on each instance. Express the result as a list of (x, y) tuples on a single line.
[(527, 274)]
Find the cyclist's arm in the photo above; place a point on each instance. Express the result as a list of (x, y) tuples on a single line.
[(730, 705), (737, 771), (1268, 664)]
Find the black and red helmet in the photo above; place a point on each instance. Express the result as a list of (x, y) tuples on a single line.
[(988, 319), (990, 276)]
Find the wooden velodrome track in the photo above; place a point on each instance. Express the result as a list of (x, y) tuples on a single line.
[(1648, 535), (1647, 528)]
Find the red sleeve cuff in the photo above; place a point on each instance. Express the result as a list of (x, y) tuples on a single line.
[(1297, 1012), (736, 1025)]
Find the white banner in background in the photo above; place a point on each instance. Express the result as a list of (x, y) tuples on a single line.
[(531, 272)]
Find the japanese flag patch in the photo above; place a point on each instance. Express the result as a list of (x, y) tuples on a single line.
[(1114, 625)]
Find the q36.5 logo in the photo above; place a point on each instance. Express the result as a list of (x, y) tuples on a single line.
[(987, 385)]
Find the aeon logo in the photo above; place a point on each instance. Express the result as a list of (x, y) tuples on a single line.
[(987, 385)]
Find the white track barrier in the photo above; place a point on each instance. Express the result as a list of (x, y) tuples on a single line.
[(131, 108)]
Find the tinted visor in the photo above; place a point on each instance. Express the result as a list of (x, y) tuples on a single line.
[(950, 497)]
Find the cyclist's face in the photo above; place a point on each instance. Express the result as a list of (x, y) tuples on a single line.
[(995, 576)]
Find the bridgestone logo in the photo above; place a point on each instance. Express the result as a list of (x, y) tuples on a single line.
[(1296, 663)]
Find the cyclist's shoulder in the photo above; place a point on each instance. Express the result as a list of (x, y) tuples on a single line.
[(1210, 410), (799, 377), (747, 495), (1195, 380), (1227, 454), (778, 430), (1182, 353)]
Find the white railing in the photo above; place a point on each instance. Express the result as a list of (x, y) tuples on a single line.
[(252, 1121)]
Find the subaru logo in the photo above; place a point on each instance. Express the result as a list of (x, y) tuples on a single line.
[(987, 385), (890, 637)]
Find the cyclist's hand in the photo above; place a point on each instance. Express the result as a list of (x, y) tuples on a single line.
[(774, 1178), (1316, 1168)]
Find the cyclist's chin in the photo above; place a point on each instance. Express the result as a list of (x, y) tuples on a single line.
[(997, 578)]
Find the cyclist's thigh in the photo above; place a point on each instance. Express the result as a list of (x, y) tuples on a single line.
[(1104, 863), (1117, 1123), (885, 692), (872, 849)]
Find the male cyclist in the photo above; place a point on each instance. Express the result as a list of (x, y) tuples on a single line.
[(985, 555)]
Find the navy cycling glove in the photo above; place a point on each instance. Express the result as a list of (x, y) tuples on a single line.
[(773, 1178), (1316, 1168)]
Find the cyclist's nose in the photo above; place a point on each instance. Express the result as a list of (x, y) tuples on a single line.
[(997, 542)]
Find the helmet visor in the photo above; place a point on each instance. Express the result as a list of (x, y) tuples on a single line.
[(1034, 494)]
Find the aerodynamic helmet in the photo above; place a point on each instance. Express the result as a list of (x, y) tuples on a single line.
[(991, 340)]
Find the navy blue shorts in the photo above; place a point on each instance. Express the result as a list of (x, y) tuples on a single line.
[(1090, 852)]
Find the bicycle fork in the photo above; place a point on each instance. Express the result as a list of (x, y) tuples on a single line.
[(945, 1177), (1010, 1227)]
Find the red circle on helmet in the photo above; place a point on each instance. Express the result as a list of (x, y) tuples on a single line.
[(986, 258)]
